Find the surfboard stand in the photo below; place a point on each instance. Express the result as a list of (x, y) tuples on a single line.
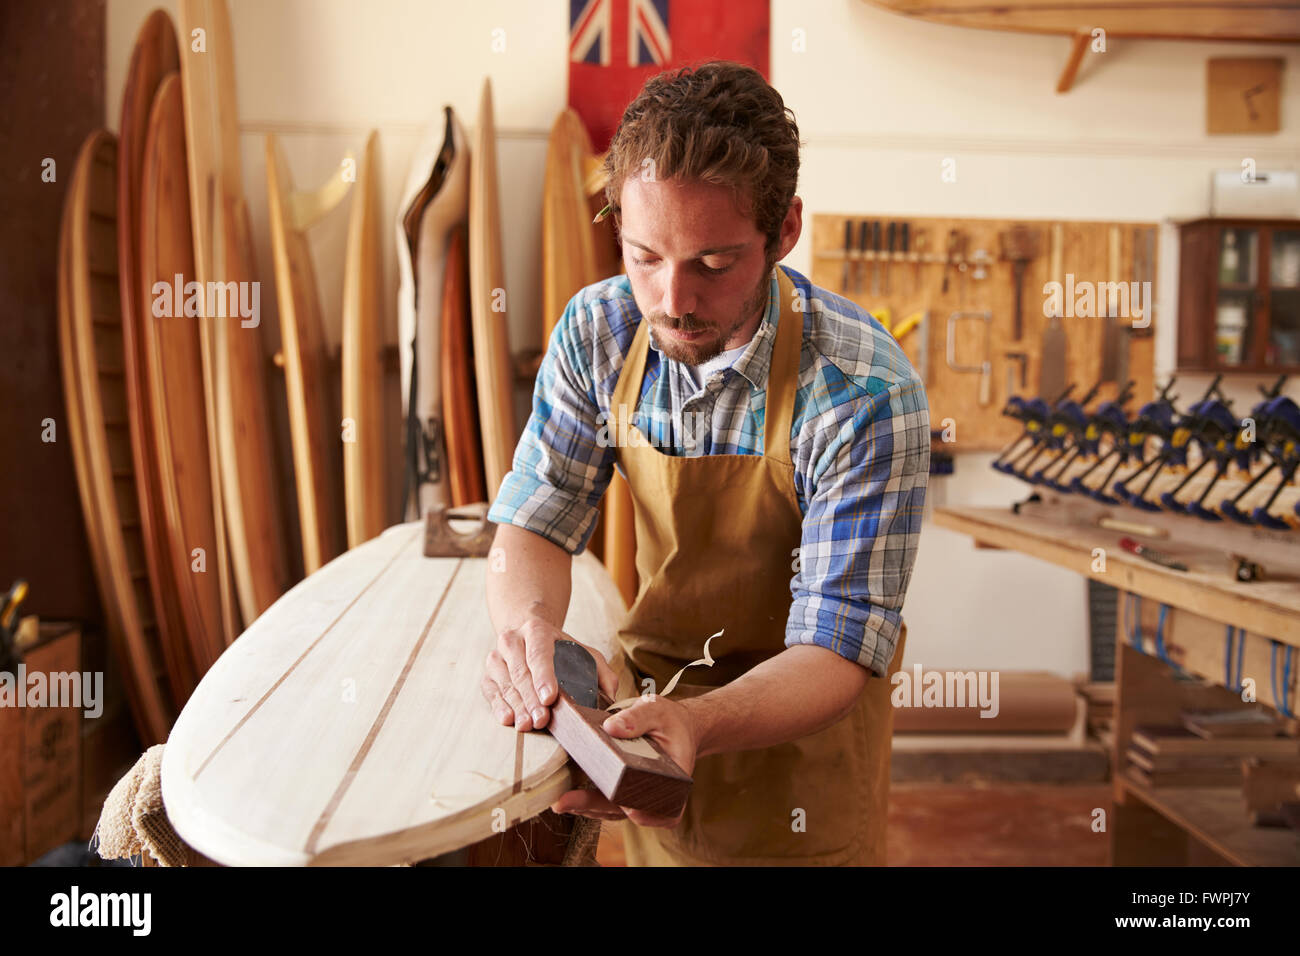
[(441, 540)]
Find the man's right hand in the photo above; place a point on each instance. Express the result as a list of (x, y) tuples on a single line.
[(519, 683)]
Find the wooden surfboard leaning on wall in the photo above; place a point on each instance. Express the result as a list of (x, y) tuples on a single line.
[(91, 354), (464, 443), (174, 365), (266, 767), (576, 253), (250, 510), (488, 302), (313, 415), (154, 58), (364, 474)]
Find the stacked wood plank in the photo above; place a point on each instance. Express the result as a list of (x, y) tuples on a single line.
[(1173, 756)]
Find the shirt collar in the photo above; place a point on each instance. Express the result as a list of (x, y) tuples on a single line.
[(755, 362)]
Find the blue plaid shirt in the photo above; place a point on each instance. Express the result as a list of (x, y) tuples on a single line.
[(859, 441)]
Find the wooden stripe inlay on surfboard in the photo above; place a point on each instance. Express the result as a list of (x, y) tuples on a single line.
[(347, 727), (174, 364), (94, 384), (313, 416), (154, 57), (365, 481), (488, 302)]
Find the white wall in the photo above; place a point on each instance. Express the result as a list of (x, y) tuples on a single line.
[(880, 102)]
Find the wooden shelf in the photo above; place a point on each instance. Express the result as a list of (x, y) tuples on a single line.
[(1261, 607), (1217, 817)]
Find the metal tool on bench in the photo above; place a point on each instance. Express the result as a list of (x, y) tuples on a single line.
[(1066, 427), (985, 368), (1277, 434), (1032, 414), (1173, 451), (1109, 421), (1214, 431)]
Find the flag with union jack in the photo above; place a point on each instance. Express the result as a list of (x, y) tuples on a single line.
[(616, 45)]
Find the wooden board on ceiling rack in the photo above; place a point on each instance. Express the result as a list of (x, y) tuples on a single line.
[(154, 58), (94, 388), (313, 415), (1224, 20), (174, 365), (955, 395), (494, 368), (1276, 22), (265, 767)]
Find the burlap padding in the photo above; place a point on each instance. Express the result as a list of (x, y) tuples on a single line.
[(134, 820)]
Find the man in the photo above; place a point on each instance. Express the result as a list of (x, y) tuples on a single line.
[(789, 519)]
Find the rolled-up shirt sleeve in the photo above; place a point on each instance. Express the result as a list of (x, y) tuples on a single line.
[(560, 471), (865, 499)]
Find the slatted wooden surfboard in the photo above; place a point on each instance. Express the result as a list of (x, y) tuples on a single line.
[(94, 388), (489, 303), (313, 413), (365, 479), (346, 726), (174, 365), (154, 58)]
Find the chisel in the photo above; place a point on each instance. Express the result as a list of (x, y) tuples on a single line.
[(890, 254), (875, 258)]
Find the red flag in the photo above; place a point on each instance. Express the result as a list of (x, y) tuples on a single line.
[(616, 45)]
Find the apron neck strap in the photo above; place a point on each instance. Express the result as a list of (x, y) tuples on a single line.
[(782, 375)]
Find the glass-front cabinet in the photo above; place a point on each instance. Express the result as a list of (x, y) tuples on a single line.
[(1239, 295)]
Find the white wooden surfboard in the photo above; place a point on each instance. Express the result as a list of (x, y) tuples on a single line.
[(346, 726)]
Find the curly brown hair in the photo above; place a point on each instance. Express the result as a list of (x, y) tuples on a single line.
[(719, 122)]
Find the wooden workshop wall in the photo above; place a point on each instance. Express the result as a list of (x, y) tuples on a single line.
[(916, 284), (53, 95)]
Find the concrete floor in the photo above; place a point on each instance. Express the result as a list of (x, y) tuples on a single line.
[(985, 824)]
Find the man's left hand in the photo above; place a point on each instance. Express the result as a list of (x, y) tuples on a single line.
[(670, 725)]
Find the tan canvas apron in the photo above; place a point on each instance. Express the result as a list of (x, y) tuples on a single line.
[(716, 539)]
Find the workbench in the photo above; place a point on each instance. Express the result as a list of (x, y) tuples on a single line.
[(1186, 825)]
